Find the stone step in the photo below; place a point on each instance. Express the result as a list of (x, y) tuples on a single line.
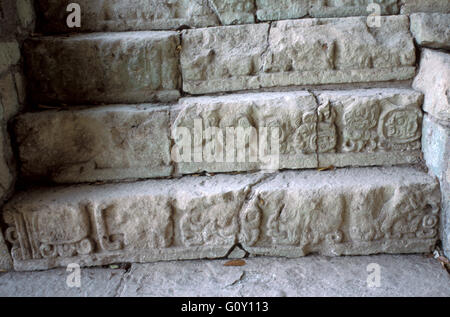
[(233, 133), (295, 53), (138, 15), (356, 211), (129, 67)]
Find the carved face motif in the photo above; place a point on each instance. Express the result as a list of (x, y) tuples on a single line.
[(362, 117), (327, 139)]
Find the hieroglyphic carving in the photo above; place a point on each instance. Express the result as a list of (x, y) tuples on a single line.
[(212, 221)]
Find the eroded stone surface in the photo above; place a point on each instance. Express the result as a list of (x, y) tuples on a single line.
[(356, 211), (339, 8), (104, 68), (296, 52), (234, 11), (433, 80), (369, 127), (292, 114), (103, 143), (411, 6), (269, 10), (9, 54), (189, 218), (127, 15), (6, 263), (349, 211), (431, 30)]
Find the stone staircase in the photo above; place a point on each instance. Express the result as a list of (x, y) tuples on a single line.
[(168, 130)]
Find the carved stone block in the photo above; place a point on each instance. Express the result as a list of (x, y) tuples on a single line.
[(189, 218), (296, 52), (348, 211), (433, 80), (246, 125), (104, 68), (97, 144), (431, 30), (370, 127), (126, 15)]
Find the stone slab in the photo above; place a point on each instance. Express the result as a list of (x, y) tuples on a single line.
[(126, 15), (292, 114), (343, 212), (431, 29), (296, 52), (401, 276), (234, 11), (104, 68), (433, 80), (9, 98), (412, 6), (95, 144), (269, 10), (370, 127)]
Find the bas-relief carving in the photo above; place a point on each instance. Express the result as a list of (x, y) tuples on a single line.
[(294, 219)]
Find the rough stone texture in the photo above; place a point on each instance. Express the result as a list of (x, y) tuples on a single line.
[(411, 6), (102, 143), (369, 127), (325, 9), (296, 52), (95, 282), (356, 211), (126, 15), (104, 68), (234, 11), (401, 276), (433, 80), (269, 10), (436, 149), (9, 54), (292, 113), (6, 263), (431, 30), (8, 96)]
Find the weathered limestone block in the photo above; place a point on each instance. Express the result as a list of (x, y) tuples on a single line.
[(260, 131), (436, 149), (412, 6), (345, 8), (296, 52), (433, 80), (353, 211), (370, 127), (97, 144), (9, 54), (104, 68), (269, 10), (234, 11), (126, 15), (189, 218), (345, 212), (7, 173), (431, 29)]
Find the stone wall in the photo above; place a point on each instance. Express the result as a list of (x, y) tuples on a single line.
[(16, 22)]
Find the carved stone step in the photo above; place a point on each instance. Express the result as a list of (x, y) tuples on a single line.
[(242, 132), (342, 212), (104, 68), (296, 52), (137, 15)]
